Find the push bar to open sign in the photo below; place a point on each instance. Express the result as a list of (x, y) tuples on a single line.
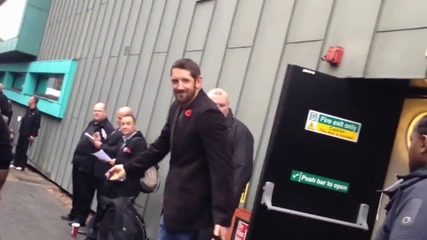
[(361, 222)]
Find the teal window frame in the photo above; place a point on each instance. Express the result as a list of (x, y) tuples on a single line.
[(54, 107), (42, 84)]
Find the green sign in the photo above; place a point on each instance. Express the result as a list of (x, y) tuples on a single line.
[(318, 181)]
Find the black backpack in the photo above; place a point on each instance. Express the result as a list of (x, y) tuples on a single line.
[(119, 220)]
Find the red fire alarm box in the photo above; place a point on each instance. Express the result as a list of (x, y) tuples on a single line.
[(334, 55)]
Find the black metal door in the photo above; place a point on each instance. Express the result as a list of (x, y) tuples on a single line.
[(328, 155)]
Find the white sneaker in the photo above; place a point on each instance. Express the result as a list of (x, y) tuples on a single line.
[(12, 166), (18, 168)]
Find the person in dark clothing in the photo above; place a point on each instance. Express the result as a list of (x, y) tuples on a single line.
[(5, 152), (199, 184), (242, 144), (132, 144), (110, 145), (242, 148), (129, 146), (5, 106), (84, 182), (28, 132), (407, 209)]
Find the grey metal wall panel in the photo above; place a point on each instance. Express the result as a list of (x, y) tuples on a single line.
[(302, 54), (81, 8), (79, 104), (112, 28), (196, 56), (71, 30), (47, 36), (263, 65), (141, 27), (393, 57), (232, 74), (66, 165), (56, 29), (78, 36), (99, 18), (66, 26), (128, 82), (150, 92), (91, 87), (151, 211), (354, 36), (245, 23), (100, 77), (200, 25), (294, 53), (108, 17), (130, 29), (52, 126), (99, 68), (216, 42), (126, 15), (66, 131), (309, 20), (398, 15), (47, 33), (117, 82), (143, 69), (108, 79), (85, 34), (167, 26), (94, 16)]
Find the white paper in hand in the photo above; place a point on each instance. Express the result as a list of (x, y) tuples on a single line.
[(89, 136), (102, 156)]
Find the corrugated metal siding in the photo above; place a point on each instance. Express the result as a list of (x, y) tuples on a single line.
[(125, 48)]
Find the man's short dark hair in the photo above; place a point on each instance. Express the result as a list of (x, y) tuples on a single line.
[(130, 115), (189, 65)]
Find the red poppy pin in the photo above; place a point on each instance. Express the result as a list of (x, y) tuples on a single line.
[(126, 150), (188, 112)]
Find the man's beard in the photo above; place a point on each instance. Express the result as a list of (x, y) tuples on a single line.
[(185, 96)]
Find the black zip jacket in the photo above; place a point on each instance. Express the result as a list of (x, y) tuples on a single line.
[(30, 123), (83, 153), (407, 210)]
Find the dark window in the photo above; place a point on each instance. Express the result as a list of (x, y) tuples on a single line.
[(49, 85), (18, 80)]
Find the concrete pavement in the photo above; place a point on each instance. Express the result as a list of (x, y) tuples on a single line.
[(30, 209)]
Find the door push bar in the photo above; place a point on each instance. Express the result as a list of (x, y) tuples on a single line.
[(361, 217)]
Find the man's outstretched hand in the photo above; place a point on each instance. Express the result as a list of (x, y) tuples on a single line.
[(220, 232), (116, 173)]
